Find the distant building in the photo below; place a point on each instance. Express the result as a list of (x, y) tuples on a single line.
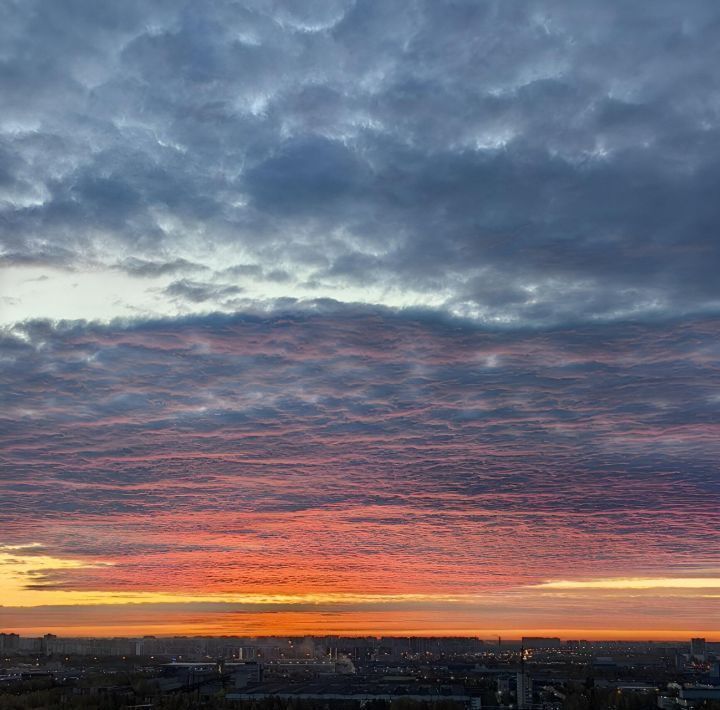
[(30, 645), (503, 684), (697, 648), (244, 674), (246, 653), (9, 643), (524, 690), (535, 642), (48, 644), (694, 696)]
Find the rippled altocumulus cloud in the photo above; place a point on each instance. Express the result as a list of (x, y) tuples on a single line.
[(317, 451)]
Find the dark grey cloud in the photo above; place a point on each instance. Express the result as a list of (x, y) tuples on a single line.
[(143, 267), (541, 162)]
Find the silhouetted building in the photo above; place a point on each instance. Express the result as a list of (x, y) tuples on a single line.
[(524, 690), (697, 648), (9, 643), (541, 642), (244, 674)]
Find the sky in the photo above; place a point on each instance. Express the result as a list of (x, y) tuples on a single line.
[(360, 317)]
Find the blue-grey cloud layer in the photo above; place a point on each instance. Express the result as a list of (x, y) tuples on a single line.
[(540, 161)]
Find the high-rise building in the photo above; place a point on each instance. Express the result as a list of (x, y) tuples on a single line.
[(524, 690), (697, 648), (9, 643), (48, 644)]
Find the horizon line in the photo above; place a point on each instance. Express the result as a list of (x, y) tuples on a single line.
[(487, 637)]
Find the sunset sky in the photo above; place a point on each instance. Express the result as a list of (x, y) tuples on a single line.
[(360, 317)]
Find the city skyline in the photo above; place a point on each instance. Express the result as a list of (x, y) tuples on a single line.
[(360, 318)]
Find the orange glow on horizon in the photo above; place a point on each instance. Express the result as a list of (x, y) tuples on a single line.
[(308, 624), (34, 609)]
